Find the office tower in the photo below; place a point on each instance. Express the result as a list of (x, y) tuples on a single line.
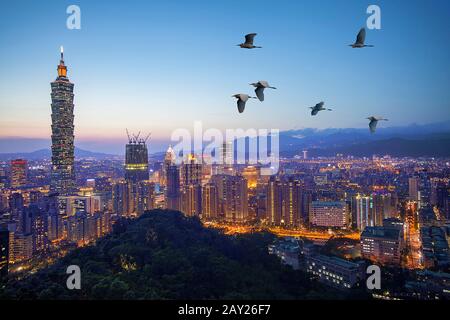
[(235, 199), (251, 174), (136, 159), (413, 184), (331, 214), (4, 252), (305, 154), (191, 171), (381, 244), (145, 199), (210, 201), (122, 198), (169, 159), (18, 173), (191, 200), (62, 175), (172, 195)]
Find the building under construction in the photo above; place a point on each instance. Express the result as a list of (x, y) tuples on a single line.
[(136, 159)]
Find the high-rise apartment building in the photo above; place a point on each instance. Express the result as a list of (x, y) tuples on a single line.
[(235, 202), (284, 202), (210, 201), (191, 200), (18, 173)]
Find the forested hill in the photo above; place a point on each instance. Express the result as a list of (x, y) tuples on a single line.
[(163, 255)]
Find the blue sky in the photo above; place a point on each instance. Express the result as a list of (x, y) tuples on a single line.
[(160, 65)]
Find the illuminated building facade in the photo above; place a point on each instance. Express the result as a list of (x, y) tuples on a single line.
[(62, 175), (251, 174), (210, 201), (18, 173), (331, 214), (169, 159), (21, 246), (284, 202), (381, 244), (191, 171), (145, 197), (122, 200), (235, 203), (172, 195), (136, 160), (191, 200)]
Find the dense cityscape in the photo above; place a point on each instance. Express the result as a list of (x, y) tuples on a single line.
[(392, 212)]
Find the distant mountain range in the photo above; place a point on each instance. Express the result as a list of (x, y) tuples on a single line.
[(432, 140), (414, 140), (46, 154)]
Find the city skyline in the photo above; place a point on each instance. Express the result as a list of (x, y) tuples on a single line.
[(297, 195), (131, 93)]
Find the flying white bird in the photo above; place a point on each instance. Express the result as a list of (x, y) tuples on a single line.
[(318, 107), (242, 98), (360, 38), (260, 86), (373, 123), (248, 44)]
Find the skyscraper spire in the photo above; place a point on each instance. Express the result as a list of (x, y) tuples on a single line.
[(62, 69)]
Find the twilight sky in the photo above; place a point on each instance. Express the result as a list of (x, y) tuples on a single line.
[(160, 65)]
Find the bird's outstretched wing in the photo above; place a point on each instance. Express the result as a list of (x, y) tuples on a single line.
[(361, 37), (249, 38), (240, 105), (320, 104), (263, 83), (373, 125), (314, 111), (260, 93)]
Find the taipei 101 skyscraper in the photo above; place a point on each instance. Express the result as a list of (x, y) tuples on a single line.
[(62, 175)]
